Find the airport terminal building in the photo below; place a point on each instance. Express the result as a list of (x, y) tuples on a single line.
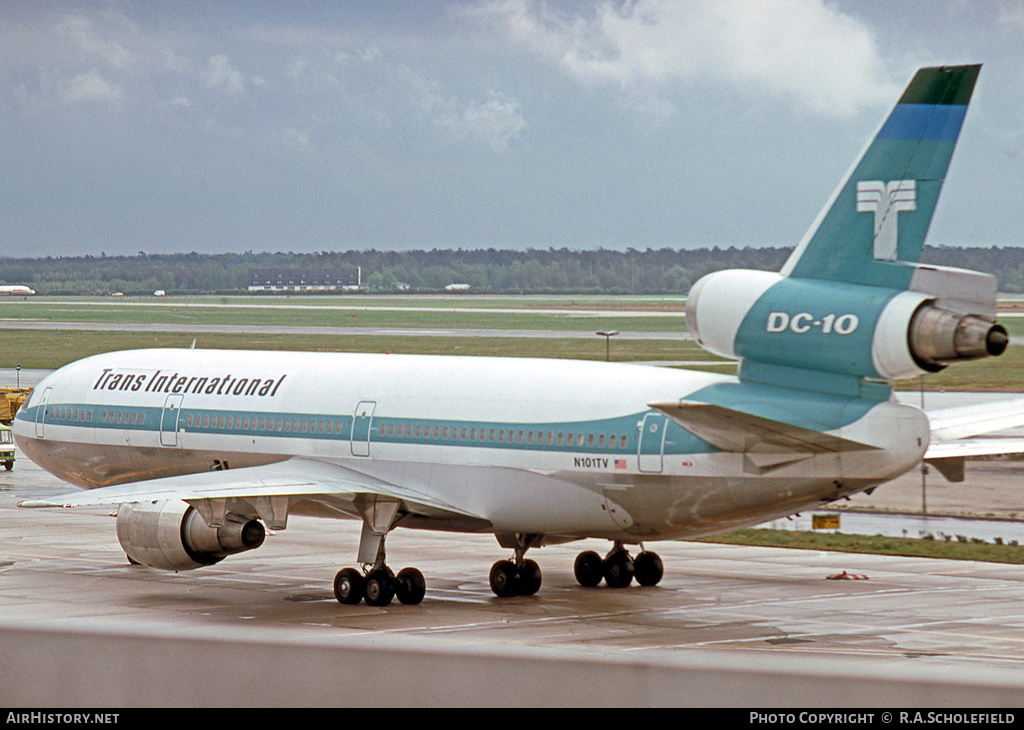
[(305, 280)]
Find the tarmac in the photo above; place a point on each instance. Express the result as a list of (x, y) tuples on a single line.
[(727, 627)]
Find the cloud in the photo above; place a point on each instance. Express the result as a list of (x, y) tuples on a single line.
[(219, 74), (495, 122), (805, 50), (92, 87)]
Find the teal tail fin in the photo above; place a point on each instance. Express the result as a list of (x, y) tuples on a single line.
[(876, 221), (853, 310)]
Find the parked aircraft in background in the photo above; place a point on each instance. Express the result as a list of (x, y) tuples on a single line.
[(15, 290), (202, 448)]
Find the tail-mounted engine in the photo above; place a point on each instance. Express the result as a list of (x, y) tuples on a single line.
[(173, 536), (865, 331)]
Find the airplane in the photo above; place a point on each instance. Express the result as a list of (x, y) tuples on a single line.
[(15, 290), (203, 450)]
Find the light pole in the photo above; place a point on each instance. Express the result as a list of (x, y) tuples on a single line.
[(607, 339)]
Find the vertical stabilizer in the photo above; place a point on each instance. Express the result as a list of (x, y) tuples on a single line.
[(875, 223), (853, 309)]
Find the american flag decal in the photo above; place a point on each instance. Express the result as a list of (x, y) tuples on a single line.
[(620, 463)]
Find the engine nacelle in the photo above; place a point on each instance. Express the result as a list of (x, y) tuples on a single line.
[(173, 536), (852, 329)]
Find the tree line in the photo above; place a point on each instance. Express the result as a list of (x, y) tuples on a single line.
[(531, 271)]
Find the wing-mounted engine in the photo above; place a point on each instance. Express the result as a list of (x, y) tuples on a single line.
[(879, 333), (172, 535)]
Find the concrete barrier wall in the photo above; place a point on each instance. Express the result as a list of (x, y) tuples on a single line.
[(41, 666)]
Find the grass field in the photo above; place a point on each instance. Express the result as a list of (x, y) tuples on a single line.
[(50, 349), (876, 545), (53, 348)]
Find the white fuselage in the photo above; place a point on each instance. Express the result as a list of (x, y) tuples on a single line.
[(566, 448)]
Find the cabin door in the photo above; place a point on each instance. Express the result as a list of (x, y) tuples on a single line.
[(41, 414), (169, 420), (652, 443), (362, 422)]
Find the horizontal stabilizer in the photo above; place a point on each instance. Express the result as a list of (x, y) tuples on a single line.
[(732, 430)]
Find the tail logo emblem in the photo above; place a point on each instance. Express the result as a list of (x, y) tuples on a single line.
[(886, 200)]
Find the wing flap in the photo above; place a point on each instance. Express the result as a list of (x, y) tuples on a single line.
[(736, 431)]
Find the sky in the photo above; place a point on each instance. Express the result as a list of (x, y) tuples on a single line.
[(216, 127)]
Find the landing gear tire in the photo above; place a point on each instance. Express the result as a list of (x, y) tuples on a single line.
[(618, 569), (380, 587), (349, 586), (589, 569), (529, 578), (410, 586), (648, 568), (504, 579)]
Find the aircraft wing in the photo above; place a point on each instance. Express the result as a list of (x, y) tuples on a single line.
[(259, 486), (964, 421), (953, 431), (732, 430)]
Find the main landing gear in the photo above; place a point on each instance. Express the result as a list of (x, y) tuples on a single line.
[(618, 569), (378, 585), (519, 576)]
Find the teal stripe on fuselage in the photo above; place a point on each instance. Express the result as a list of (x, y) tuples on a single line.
[(604, 437)]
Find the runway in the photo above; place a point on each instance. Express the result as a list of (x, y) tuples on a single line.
[(728, 626), (324, 331)]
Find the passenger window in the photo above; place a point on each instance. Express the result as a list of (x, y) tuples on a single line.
[(623, 441), (600, 441)]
